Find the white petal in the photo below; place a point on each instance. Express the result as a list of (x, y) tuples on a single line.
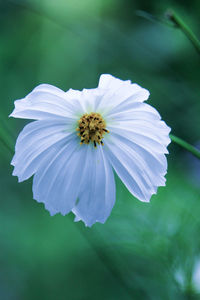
[(141, 170), (90, 99), (87, 100), (49, 88), (57, 182), (133, 110), (107, 81), (145, 134), (117, 91), (97, 193), (45, 102), (35, 142), (73, 94), (141, 122)]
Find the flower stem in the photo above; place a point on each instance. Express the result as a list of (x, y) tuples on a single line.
[(185, 145), (171, 15)]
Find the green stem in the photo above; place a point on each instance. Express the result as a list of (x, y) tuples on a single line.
[(185, 145), (184, 28)]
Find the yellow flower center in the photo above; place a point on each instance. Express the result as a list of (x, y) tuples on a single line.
[(91, 128)]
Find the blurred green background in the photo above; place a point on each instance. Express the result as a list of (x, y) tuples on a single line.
[(143, 251)]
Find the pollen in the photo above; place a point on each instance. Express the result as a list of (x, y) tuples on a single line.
[(91, 128)]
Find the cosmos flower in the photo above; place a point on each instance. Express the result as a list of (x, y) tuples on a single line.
[(80, 138)]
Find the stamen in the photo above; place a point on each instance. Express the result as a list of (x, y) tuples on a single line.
[(91, 128)]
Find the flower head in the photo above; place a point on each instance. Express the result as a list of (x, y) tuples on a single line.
[(80, 138)]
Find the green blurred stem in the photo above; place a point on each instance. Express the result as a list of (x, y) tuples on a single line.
[(6, 141), (185, 145), (184, 28)]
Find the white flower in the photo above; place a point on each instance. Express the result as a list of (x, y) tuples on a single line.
[(80, 138)]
